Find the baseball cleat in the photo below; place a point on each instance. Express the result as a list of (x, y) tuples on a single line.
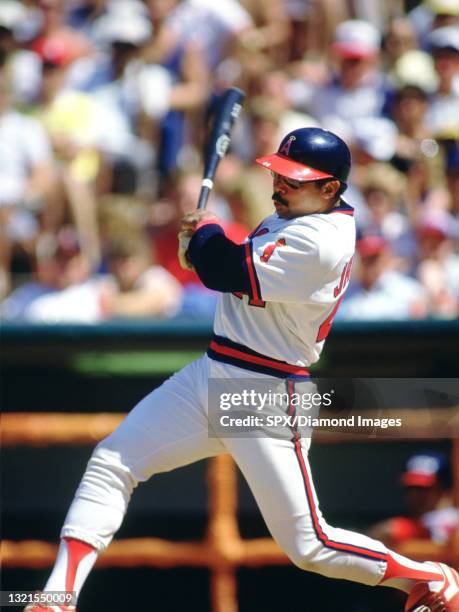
[(438, 596)]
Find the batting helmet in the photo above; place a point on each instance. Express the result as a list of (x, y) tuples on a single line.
[(310, 154)]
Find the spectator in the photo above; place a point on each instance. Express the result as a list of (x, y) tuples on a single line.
[(141, 289), (371, 294), (384, 189), (21, 65), (416, 150), (190, 75), (399, 39), (62, 289), (432, 14), (359, 89), (443, 113), (214, 26), (415, 68), (81, 15), (55, 32), (133, 97), (431, 513), (438, 263), (72, 121), (313, 25), (445, 13), (271, 31), (28, 203), (65, 291), (11, 14), (417, 153)]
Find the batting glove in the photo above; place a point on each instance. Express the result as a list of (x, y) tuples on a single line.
[(184, 238)]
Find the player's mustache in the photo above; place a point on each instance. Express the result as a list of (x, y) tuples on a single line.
[(277, 196)]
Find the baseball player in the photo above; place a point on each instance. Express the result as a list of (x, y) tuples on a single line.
[(279, 293)]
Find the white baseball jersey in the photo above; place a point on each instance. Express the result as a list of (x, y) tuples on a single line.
[(298, 270)]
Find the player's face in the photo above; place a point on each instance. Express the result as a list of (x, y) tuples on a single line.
[(422, 499), (297, 198)]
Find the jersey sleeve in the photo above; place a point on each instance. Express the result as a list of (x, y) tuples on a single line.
[(284, 268)]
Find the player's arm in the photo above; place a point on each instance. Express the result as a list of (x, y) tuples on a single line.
[(218, 261)]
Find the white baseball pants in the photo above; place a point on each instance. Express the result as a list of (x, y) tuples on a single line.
[(169, 429)]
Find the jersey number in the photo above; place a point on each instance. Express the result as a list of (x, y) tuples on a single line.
[(269, 250), (267, 253), (325, 328)]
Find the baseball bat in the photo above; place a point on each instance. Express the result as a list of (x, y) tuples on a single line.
[(228, 108)]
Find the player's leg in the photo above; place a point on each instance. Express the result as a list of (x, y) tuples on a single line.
[(278, 472), (166, 430), (279, 476)]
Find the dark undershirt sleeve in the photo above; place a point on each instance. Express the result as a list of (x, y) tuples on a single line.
[(218, 261)]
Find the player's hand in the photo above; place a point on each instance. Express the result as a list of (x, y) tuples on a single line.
[(187, 228), (191, 220), (184, 238)]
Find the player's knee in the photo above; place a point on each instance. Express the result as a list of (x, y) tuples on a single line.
[(308, 565), (108, 466), (308, 559)]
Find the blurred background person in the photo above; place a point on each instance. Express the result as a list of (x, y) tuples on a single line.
[(185, 61), (400, 38), (443, 112), (437, 265), (358, 88), (141, 288), (430, 511), (63, 288), (133, 97), (384, 190), (428, 15), (28, 202), (72, 122), (370, 296)]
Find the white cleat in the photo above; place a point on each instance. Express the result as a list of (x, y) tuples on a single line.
[(438, 596)]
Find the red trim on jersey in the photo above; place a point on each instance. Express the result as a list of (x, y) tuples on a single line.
[(245, 356), (255, 293), (257, 231), (321, 535), (344, 208), (76, 551)]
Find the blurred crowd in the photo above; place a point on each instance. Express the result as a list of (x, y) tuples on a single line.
[(103, 110)]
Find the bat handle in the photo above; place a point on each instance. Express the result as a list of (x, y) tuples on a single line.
[(207, 185)]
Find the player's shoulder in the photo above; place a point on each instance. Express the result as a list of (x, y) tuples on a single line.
[(334, 232), (336, 222), (341, 215), (326, 230)]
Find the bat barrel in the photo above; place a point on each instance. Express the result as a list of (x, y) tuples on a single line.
[(228, 109)]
